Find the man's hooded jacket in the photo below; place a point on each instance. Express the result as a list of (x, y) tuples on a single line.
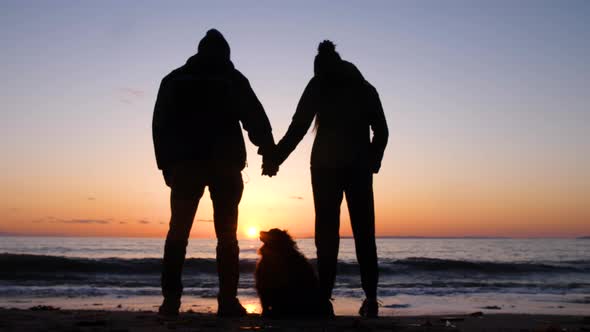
[(199, 109)]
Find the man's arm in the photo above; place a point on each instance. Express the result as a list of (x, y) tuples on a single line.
[(300, 123), (253, 117), (379, 126), (161, 126)]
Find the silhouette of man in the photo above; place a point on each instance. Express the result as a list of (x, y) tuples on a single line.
[(198, 143), (343, 160)]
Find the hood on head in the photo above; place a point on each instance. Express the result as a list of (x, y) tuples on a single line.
[(214, 45), (212, 57)]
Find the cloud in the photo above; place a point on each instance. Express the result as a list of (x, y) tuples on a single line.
[(72, 221), (205, 220), (83, 221), (50, 219), (133, 92), (143, 222), (300, 198), (129, 95)]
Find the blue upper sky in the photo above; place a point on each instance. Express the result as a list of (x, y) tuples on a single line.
[(473, 91)]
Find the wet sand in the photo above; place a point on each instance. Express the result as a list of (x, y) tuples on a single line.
[(45, 318)]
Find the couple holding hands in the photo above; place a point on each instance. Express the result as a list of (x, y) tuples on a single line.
[(198, 143)]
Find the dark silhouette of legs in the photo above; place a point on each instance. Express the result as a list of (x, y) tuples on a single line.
[(359, 196), (226, 192), (329, 185), (187, 190), (327, 196), (188, 185)]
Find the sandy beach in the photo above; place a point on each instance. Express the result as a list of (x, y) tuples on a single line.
[(46, 318)]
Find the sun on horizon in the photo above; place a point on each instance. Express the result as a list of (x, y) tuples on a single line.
[(252, 232)]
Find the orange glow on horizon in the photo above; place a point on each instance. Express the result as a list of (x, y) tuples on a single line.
[(134, 202)]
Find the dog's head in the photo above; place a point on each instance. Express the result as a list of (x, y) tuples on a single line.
[(276, 240)]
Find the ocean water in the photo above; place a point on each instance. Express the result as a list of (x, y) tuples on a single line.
[(417, 276)]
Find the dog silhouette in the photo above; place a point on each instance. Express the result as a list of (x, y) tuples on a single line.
[(285, 280)]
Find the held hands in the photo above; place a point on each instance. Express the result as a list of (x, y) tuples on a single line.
[(270, 165)]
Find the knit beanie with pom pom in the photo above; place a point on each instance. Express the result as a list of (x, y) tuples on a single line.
[(327, 60)]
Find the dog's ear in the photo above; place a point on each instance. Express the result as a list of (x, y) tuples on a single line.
[(275, 234), (286, 239), (286, 235)]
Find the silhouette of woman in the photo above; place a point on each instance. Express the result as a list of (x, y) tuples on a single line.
[(343, 159)]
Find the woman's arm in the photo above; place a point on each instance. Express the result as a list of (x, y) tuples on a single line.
[(379, 127), (302, 119)]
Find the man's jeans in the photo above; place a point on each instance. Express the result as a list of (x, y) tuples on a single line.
[(188, 184)]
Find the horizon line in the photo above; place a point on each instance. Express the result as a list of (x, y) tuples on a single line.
[(475, 237)]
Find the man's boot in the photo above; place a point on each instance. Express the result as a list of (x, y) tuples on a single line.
[(170, 306), (228, 270), (370, 308), (230, 307)]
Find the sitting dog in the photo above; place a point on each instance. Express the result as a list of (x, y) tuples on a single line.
[(285, 281)]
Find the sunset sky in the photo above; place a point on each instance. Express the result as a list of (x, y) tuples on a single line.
[(487, 105)]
